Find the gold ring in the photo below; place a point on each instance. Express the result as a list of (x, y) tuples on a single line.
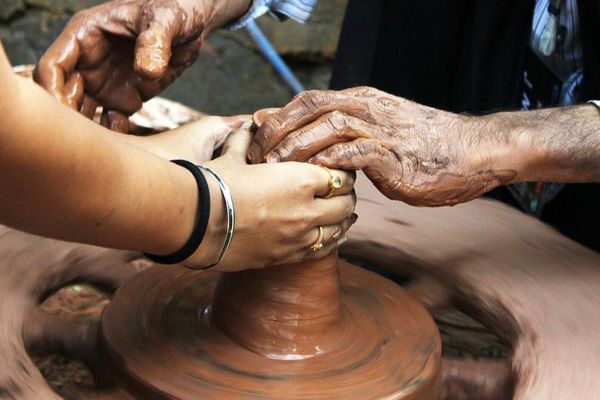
[(334, 182), (318, 244)]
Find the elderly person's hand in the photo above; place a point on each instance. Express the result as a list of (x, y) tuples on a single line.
[(124, 52), (413, 153)]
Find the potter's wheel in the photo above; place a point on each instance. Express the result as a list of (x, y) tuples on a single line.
[(164, 340)]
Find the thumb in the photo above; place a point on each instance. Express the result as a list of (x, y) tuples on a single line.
[(238, 143), (153, 50)]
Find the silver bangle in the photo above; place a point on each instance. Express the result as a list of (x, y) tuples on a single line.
[(230, 208)]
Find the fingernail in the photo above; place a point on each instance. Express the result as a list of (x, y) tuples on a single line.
[(354, 217), (246, 125), (341, 241)]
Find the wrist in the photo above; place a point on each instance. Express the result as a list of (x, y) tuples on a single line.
[(548, 145), (224, 12), (500, 143), (217, 223)]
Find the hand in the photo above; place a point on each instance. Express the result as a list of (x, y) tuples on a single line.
[(195, 142), (278, 207), (121, 53), (413, 153)]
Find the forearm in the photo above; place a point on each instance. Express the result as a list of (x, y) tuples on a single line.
[(556, 145), (62, 176)]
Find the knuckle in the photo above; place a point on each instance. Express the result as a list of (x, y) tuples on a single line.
[(337, 120), (305, 182), (312, 99)]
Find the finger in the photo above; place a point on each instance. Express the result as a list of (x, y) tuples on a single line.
[(325, 179), (181, 58), (307, 254), (153, 45), (302, 110), (115, 121), (331, 233), (58, 63), (237, 143), (88, 107), (236, 121), (329, 129), (358, 154), (323, 251), (216, 128), (74, 91), (334, 210), (261, 115), (382, 166)]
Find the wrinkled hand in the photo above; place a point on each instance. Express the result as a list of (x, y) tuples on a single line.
[(413, 153), (279, 208), (195, 141), (121, 53)]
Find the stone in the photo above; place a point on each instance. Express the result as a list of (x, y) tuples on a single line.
[(8, 8)]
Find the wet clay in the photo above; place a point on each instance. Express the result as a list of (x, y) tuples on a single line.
[(537, 290), (314, 330)]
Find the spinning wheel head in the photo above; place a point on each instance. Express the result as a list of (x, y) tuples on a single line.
[(162, 339)]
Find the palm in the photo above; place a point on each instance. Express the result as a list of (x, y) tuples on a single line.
[(102, 58)]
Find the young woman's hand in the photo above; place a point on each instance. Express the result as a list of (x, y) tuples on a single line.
[(195, 142), (279, 208)]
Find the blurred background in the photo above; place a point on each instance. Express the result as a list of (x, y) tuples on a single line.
[(230, 77)]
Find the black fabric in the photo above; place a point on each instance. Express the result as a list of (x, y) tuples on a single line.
[(456, 55), (465, 56), (589, 18), (356, 53)]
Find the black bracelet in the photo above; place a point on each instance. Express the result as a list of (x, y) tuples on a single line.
[(201, 223)]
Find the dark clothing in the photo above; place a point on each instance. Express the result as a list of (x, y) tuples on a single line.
[(465, 56)]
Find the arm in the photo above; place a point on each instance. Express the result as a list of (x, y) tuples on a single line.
[(429, 157), (550, 145), (65, 177), (103, 197)]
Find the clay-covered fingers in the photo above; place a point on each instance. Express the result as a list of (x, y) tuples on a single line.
[(115, 121), (73, 91), (58, 63), (261, 115), (329, 129), (88, 107), (358, 154), (154, 42), (301, 111)]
